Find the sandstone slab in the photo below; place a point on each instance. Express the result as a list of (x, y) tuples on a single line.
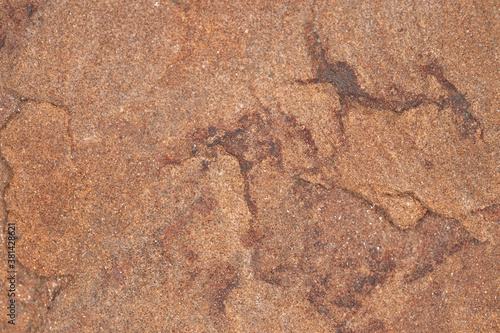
[(226, 166)]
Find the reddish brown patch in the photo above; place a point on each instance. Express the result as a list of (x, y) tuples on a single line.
[(220, 282), (343, 77), (198, 135), (436, 241), (117, 274), (187, 283), (317, 297), (202, 207), (375, 325), (251, 237), (166, 160), (14, 16), (465, 121), (190, 255), (428, 164), (304, 134), (171, 232)]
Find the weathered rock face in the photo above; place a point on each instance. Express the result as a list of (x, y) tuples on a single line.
[(225, 166)]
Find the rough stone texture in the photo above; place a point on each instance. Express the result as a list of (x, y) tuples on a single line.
[(235, 166)]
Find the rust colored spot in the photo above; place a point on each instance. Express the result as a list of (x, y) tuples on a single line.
[(173, 230), (118, 273), (381, 263), (115, 275)]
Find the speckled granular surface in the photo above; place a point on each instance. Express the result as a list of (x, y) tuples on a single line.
[(251, 166)]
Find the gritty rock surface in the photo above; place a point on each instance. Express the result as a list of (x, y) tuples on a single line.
[(234, 166)]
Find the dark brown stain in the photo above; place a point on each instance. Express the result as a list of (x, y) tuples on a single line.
[(117, 274), (343, 77), (212, 130), (14, 17), (252, 237), (365, 283), (343, 329), (166, 160), (251, 143), (246, 166), (191, 256), (30, 10), (437, 240), (268, 268), (419, 272), (204, 166), (464, 120), (375, 325), (347, 300), (428, 164), (380, 263), (236, 143), (274, 276), (303, 133), (253, 135), (381, 266), (317, 297), (165, 236), (220, 282), (361, 273), (185, 5)]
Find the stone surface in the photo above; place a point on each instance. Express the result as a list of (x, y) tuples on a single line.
[(225, 166)]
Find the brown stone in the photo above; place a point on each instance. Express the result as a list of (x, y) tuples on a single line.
[(232, 166)]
